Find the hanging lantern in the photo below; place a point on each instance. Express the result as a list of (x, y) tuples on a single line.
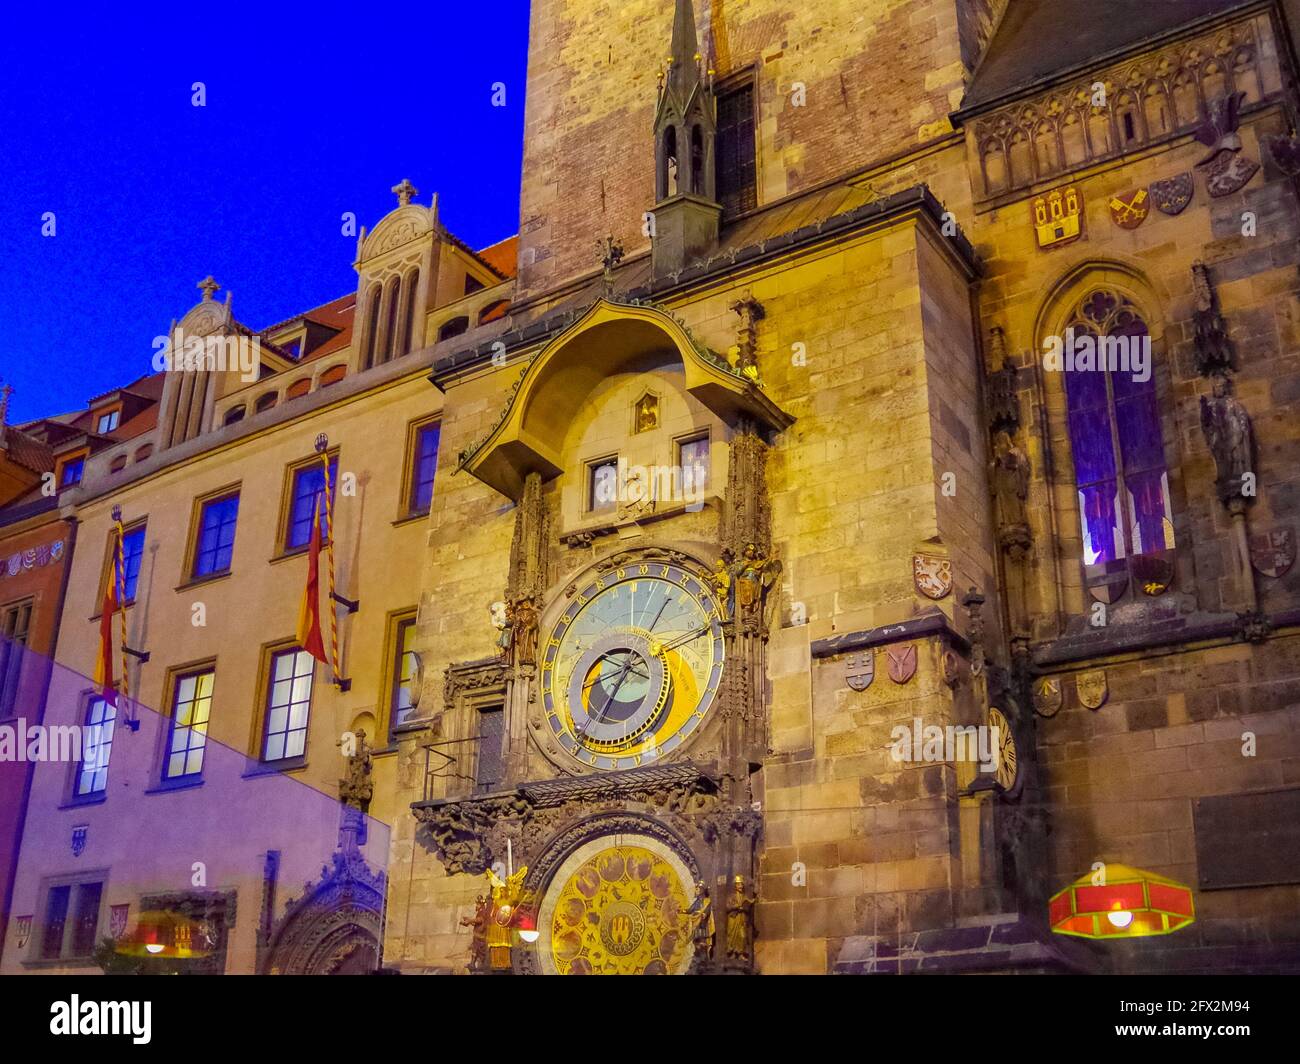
[(1130, 904), (160, 933)]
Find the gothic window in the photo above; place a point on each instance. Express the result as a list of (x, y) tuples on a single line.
[(1125, 512), (736, 168), (372, 327), (668, 164), (391, 298), (408, 322)]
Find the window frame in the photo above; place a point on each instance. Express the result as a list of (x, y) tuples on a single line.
[(262, 718), (198, 509), (390, 680), (746, 78), (410, 468), (704, 436), (6, 609), (139, 524), (287, 496), (74, 883), (175, 677), (60, 468), (113, 413), (88, 700), (498, 708), (591, 466)]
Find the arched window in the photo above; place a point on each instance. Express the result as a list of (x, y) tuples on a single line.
[(408, 322), (265, 401), (372, 327), (144, 452), (234, 414), (298, 388), (1125, 512), (668, 178), (118, 464), (493, 311), (453, 328), (390, 316), (332, 376)]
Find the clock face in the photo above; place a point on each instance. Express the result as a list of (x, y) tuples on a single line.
[(633, 665), (1007, 771)]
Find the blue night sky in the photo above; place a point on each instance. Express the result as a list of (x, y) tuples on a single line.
[(310, 113)]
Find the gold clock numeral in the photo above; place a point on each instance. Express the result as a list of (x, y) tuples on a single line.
[(622, 573), (644, 570)]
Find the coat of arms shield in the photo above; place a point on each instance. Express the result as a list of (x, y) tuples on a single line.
[(860, 670), (1173, 194), (1272, 553), (1091, 688), (1130, 210), (932, 575), (79, 839), (22, 931), (1047, 696), (902, 662)]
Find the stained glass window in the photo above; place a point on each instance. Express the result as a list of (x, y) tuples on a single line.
[(1115, 436)]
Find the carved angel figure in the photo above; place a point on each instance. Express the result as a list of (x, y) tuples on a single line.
[(755, 577), (1009, 478), (505, 903), (1226, 426)]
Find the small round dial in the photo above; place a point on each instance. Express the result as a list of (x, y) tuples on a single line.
[(633, 664)]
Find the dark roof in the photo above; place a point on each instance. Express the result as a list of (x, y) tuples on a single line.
[(1038, 40)]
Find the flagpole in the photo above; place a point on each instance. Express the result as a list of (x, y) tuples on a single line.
[(119, 566), (322, 448)]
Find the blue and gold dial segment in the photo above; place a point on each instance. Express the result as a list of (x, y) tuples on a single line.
[(633, 665)]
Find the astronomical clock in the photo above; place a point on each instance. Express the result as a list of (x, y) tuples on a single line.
[(620, 827)]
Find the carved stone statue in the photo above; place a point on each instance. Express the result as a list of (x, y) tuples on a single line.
[(1226, 426), (1009, 479), (478, 954), (755, 576), (524, 637), (356, 787), (703, 930), (740, 921), (721, 579), (500, 614)]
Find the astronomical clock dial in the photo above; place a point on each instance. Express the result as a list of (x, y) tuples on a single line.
[(1007, 772), (633, 665)]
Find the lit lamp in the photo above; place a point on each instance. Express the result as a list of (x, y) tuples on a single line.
[(160, 933), (1131, 904), (526, 925)]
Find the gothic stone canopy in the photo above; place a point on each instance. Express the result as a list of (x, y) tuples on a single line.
[(609, 338)]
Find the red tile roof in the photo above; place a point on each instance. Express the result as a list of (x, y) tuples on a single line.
[(502, 256)]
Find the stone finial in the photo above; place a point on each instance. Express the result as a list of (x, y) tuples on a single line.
[(405, 191), (209, 288), (5, 392)]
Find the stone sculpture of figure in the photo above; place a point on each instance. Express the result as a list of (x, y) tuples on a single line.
[(740, 921), (506, 894), (672, 175), (1226, 426), (722, 587), (755, 576), (1009, 479), (500, 613), (703, 930), (356, 787), (525, 630), (478, 954), (647, 414)]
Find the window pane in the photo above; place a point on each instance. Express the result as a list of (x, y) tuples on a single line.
[(488, 770), (97, 745), (405, 673), (735, 150), (424, 466), (132, 556), (216, 537), (191, 711), (308, 495), (289, 705), (603, 487), (56, 916), (695, 467), (72, 472)]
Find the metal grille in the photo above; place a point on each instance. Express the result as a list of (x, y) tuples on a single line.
[(491, 728), (737, 190)]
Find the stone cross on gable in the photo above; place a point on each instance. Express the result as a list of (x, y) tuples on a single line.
[(209, 287), (405, 191), (5, 392)]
